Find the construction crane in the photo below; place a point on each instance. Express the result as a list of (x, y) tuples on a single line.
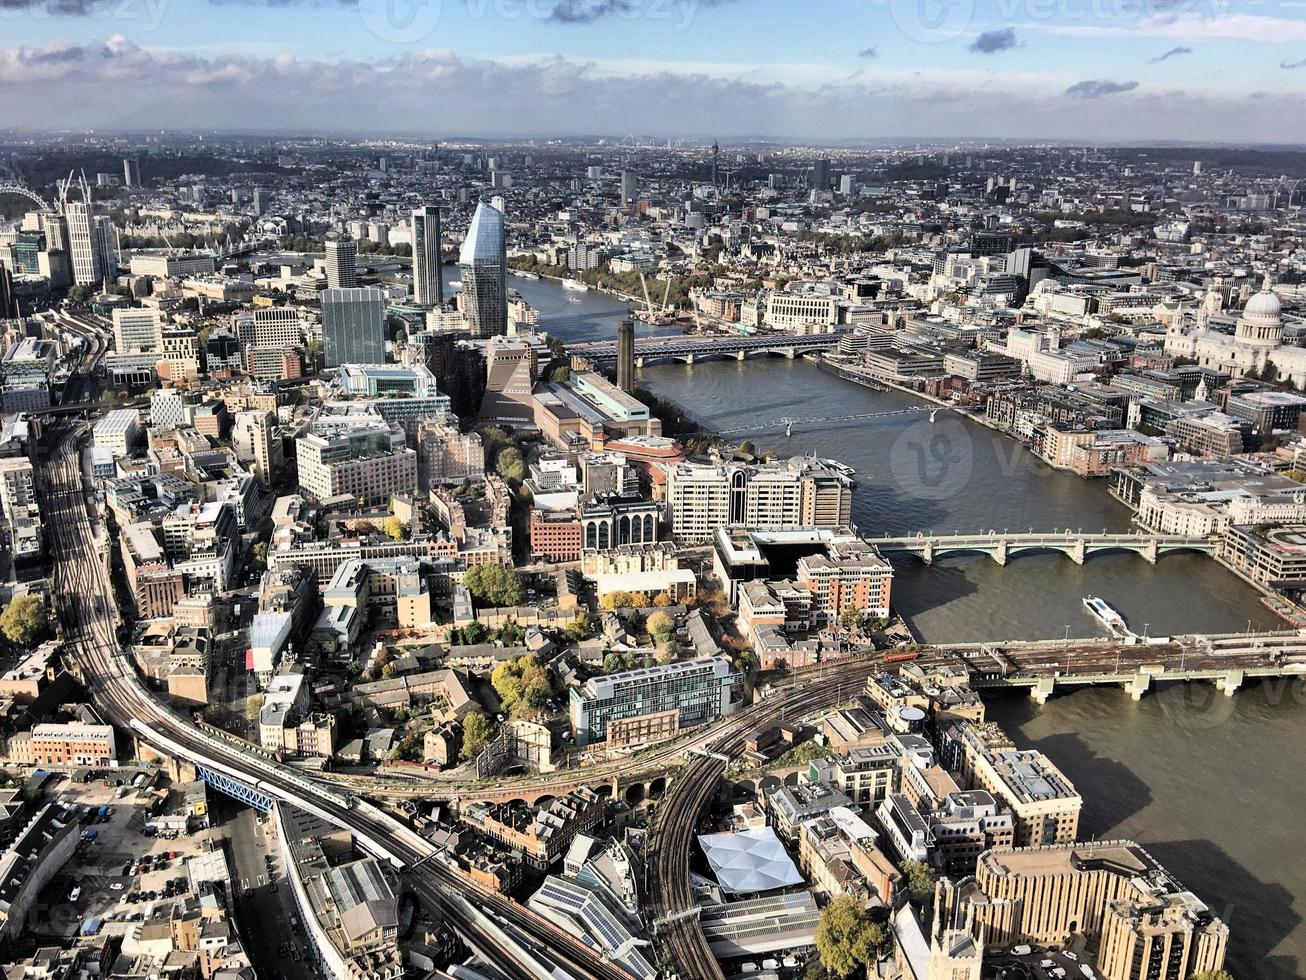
[(649, 314)]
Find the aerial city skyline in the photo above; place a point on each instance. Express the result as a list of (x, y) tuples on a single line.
[(640, 490)]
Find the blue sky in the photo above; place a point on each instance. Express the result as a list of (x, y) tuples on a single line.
[(840, 69)]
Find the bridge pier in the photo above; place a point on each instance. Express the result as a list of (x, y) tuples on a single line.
[(689, 359), (1077, 552), (739, 356), (1042, 690), (928, 554), (790, 353), (1000, 554), (1140, 685), (1230, 682), (639, 362), (1149, 552)]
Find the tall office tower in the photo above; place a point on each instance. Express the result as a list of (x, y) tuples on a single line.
[(428, 276), (716, 162), (131, 173), (1197, 168), (629, 186), (137, 329), (106, 240), (342, 263), (626, 355), (55, 227), (88, 258), (257, 440), (484, 265), (353, 326), (821, 175), (260, 200), (8, 301)]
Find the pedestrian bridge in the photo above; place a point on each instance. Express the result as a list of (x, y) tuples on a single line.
[(1075, 545), (690, 349)]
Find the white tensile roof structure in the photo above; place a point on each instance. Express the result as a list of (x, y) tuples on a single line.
[(749, 861)]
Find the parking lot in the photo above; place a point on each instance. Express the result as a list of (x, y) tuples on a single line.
[(118, 874)]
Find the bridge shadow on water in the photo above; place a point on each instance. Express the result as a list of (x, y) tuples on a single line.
[(947, 584)]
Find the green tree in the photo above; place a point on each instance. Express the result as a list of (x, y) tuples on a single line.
[(919, 879), (25, 621), (578, 628), (259, 556), (846, 938), (470, 635), (394, 528), (660, 627), (511, 465), (511, 634), (1212, 975), (560, 373), (851, 618), (523, 684), (477, 730), (494, 585), (747, 448), (614, 662)]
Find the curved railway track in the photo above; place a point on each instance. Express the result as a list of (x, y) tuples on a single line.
[(89, 617), (670, 898)]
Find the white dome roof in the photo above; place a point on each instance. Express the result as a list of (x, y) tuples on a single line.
[(1263, 304)]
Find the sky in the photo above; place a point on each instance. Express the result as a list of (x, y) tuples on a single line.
[(1230, 71)]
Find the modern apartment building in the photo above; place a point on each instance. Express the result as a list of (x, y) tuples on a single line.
[(446, 455), (850, 575), (136, 329), (651, 703), (368, 464), (256, 438), (1114, 893), (341, 263), (428, 275)]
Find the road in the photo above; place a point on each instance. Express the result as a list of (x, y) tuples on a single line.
[(88, 617), (262, 913)]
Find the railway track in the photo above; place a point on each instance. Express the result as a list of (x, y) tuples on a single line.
[(680, 937), (89, 618)]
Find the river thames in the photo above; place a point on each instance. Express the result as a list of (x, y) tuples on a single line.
[(1214, 786)]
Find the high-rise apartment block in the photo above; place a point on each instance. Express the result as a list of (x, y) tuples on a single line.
[(341, 263)]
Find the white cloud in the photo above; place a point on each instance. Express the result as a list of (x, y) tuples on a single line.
[(114, 83), (1196, 27)]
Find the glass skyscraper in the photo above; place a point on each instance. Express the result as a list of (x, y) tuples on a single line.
[(484, 265), (428, 278), (353, 326)]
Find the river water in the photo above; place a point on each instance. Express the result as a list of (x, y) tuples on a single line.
[(1213, 785)]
